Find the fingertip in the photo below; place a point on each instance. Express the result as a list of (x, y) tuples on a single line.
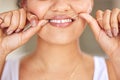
[(86, 17), (92, 22), (42, 22), (83, 15), (34, 22), (31, 16), (1, 20), (34, 29)]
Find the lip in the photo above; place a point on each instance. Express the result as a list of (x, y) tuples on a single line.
[(61, 18)]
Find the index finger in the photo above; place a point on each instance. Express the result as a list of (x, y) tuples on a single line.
[(92, 22), (26, 35)]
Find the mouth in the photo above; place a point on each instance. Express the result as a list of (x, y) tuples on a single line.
[(61, 21)]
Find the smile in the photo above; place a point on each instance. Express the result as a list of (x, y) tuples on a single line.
[(60, 23)]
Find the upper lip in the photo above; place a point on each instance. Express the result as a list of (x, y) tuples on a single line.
[(60, 17)]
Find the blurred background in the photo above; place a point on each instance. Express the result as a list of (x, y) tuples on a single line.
[(87, 42)]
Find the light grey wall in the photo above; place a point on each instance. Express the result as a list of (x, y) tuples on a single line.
[(116, 3), (88, 43), (6, 5)]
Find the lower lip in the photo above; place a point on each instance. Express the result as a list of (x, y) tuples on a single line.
[(61, 25)]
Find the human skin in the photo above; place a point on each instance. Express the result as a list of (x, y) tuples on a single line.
[(53, 34), (58, 46), (55, 44)]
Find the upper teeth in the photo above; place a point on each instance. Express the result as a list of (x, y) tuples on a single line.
[(61, 21)]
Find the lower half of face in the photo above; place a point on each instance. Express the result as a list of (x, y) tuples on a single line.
[(61, 28), (62, 33)]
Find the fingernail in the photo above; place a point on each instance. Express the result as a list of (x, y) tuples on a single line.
[(34, 23), (44, 22), (109, 33), (115, 33), (18, 30), (9, 32), (1, 21)]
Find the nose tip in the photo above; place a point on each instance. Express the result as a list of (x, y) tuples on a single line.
[(61, 6)]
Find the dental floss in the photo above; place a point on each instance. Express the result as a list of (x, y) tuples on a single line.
[(29, 25)]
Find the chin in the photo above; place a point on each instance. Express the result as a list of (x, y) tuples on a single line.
[(56, 33), (59, 39)]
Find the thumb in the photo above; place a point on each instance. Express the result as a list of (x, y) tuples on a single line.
[(31, 17), (27, 34), (16, 40), (92, 22)]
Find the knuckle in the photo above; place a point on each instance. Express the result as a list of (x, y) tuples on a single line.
[(107, 11), (116, 9), (16, 12), (13, 26), (10, 12), (2, 16), (1, 20), (99, 19), (22, 10), (99, 11)]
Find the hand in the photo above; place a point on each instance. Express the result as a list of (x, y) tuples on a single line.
[(106, 30), (12, 25)]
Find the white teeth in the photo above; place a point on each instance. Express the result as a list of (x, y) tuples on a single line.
[(61, 21)]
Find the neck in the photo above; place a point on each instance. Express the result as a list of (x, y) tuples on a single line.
[(57, 55)]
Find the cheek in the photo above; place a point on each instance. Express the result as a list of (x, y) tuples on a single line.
[(38, 9), (82, 6)]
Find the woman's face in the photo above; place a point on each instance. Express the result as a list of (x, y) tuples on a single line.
[(64, 24)]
